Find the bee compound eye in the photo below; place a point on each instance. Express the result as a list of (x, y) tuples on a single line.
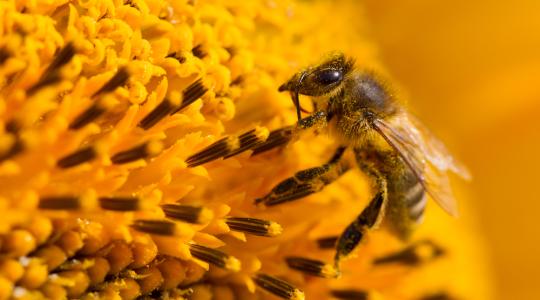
[(329, 76)]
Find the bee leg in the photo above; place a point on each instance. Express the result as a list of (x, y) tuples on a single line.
[(256, 139), (307, 182), (285, 135), (368, 219)]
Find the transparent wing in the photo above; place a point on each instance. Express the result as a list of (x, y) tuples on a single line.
[(437, 153), (425, 155)]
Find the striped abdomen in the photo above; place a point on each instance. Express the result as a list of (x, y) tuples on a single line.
[(406, 202)]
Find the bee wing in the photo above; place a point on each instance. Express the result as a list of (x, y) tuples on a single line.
[(425, 155), (437, 153)]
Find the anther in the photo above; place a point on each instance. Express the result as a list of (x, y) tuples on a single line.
[(254, 226), (312, 267), (120, 203), (278, 287), (437, 296), (276, 138), (188, 213), (51, 74), (215, 257), (43, 82), (60, 203), (228, 146), (181, 59), (350, 294), (4, 55), (419, 252), (77, 158), (159, 227), (193, 92), (119, 79), (61, 59), (199, 52), (249, 139), (327, 242), (143, 151), (16, 148), (159, 112), (87, 116)]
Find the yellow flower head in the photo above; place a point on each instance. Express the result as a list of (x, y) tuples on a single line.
[(105, 107)]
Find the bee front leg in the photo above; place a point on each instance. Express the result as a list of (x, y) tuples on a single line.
[(307, 182), (368, 219), (257, 140)]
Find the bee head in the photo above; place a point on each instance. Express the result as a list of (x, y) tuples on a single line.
[(319, 79)]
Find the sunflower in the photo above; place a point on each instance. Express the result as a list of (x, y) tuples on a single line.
[(105, 107)]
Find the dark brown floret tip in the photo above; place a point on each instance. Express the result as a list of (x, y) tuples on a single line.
[(120, 203), (77, 158), (215, 257), (350, 294), (188, 213), (157, 114), (16, 148), (278, 287), (415, 254), (199, 52), (119, 79), (254, 226), (228, 147), (193, 92), (327, 242), (60, 203), (276, 138), (159, 227), (87, 116), (143, 151), (312, 267)]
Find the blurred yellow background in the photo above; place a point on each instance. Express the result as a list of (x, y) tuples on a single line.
[(472, 73)]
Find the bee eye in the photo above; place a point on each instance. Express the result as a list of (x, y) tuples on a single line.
[(329, 76)]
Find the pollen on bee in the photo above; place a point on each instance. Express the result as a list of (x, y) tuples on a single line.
[(328, 242), (188, 213), (215, 257), (312, 267), (278, 287), (193, 92), (143, 151), (228, 147), (254, 226), (119, 79), (76, 158)]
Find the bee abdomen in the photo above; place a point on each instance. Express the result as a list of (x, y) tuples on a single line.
[(415, 199)]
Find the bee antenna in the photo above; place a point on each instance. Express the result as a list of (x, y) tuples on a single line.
[(295, 96)]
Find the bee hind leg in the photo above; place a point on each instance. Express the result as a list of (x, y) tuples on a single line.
[(307, 182), (368, 219)]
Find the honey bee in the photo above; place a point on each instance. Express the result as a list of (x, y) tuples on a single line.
[(401, 157)]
